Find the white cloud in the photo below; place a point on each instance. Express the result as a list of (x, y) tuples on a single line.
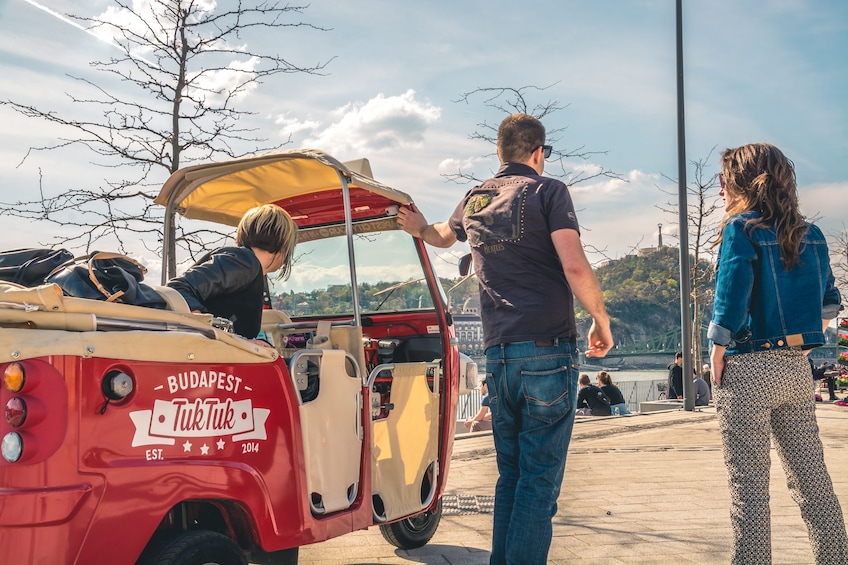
[(379, 125), (634, 182), (466, 165), (216, 85), (823, 203), (291, 126)]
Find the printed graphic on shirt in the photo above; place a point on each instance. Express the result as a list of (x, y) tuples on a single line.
[(495, 216)]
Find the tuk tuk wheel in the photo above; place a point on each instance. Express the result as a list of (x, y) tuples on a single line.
[(414, 531), (200, 547)]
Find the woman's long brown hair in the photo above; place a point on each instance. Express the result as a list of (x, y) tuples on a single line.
[(763, 179)]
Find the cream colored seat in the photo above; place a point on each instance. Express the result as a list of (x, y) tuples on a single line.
[(331, 428), (405, 445)]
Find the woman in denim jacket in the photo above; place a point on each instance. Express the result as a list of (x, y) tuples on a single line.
[(775, 294)]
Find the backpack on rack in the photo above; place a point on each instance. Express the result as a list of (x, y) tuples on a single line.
[(29, 267), (111, 277)]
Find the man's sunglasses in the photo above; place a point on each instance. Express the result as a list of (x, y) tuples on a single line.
[(546, 150)]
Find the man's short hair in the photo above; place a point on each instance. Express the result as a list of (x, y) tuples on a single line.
[(678, 355), (584, 379), (518, 136)]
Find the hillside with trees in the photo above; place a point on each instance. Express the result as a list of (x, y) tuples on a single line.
[(641, 293)]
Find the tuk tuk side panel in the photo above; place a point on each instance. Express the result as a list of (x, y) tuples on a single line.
[(216, 432), (177, 437)]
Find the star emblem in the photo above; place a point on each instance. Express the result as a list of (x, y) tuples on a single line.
[(204, 449), (187, 447), (220, 444)]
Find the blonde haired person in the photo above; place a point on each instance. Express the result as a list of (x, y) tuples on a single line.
[(230, 282), (774, 295)]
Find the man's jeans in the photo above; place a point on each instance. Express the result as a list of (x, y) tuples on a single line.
[(532, 396)]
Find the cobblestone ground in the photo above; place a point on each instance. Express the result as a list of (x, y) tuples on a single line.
[(648, 489)]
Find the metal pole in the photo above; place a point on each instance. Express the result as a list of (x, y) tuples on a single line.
[(354, 287), (683, 208)]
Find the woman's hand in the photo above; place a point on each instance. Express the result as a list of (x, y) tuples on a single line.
[(717, 362)]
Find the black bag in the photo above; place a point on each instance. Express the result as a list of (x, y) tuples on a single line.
[(106, 276), (29, 267)]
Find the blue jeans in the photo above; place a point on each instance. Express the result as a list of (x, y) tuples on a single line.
[(532, 396)]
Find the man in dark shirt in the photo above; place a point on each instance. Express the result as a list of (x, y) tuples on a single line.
[(593, 397), (525, 242), (675, 378)]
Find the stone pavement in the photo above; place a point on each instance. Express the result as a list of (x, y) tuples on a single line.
[(648, 489)]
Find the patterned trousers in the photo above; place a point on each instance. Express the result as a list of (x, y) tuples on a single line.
[(763, 396)]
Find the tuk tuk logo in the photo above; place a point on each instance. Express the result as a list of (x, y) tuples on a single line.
[(200, 418)]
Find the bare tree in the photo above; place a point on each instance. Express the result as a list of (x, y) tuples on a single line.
[(703, 203), (839, 258), (187, 68), (509, 100)]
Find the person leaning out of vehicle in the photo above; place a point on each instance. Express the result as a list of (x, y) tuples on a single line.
[(230, 282)]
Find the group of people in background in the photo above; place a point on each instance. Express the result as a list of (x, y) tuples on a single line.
[(700, 383), (601, 399)]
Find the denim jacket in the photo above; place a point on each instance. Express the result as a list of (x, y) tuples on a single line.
[(759, 305)]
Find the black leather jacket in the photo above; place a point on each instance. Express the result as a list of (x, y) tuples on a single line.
[(228, 283)]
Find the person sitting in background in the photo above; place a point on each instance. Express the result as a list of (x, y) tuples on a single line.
[(617, 404), (230, 282), (483, 419), (591, 400), (702, 392)]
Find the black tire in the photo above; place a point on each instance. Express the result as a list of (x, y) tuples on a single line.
[(414, 531), (201, 547)]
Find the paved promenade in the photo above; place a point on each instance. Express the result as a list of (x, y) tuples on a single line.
[(645, 489)]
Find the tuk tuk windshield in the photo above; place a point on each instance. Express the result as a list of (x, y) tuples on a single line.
[(388, 273)]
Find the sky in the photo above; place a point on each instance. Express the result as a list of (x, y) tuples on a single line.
[(754, 70)]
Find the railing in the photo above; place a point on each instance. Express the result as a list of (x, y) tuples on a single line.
[(634, 392), (468, 405)]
